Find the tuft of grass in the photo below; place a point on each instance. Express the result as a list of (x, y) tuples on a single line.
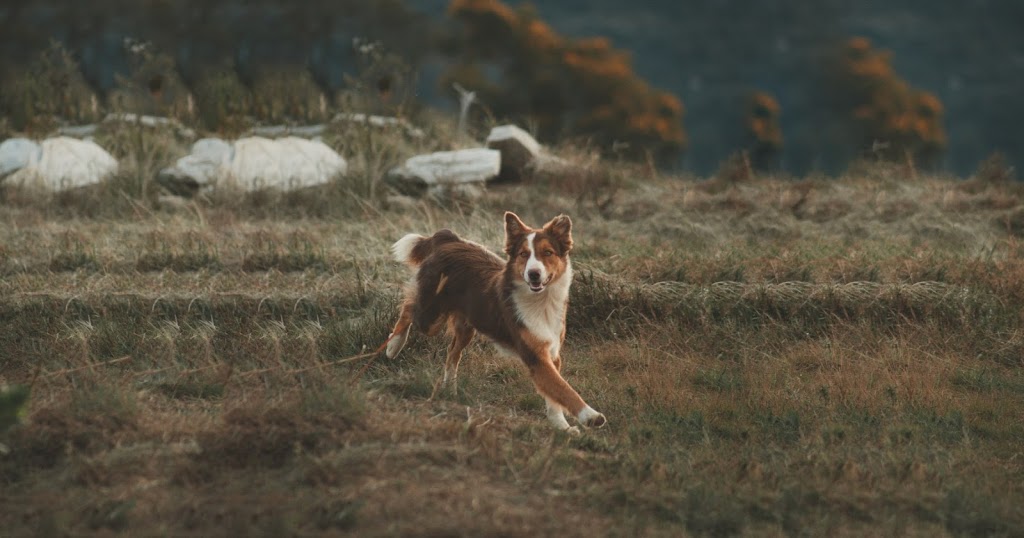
[(192, 252), (112, 515), (74, 254), (709, 512), (191, 390), (717, 380), (269, 436), (93, 419), (298, 253), (985, 380), (141, 153), (784, 428), (337, 515)]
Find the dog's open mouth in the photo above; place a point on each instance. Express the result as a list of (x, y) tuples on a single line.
[(537, 287)]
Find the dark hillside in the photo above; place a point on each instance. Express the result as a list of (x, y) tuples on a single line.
[(709, 53)]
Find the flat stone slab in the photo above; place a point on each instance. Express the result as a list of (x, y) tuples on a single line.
[(154, 122), (447, 175), (381, 122), (475, 165)]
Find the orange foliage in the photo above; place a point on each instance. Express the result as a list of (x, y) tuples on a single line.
[(884, 108), (563, 86), (482, 8), (540, 36), (764, 133)]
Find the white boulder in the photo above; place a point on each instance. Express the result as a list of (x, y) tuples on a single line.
[(17, 153), (255, 163), (200, 168), (55, 164)]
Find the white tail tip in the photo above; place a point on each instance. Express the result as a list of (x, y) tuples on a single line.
[(402, 249)]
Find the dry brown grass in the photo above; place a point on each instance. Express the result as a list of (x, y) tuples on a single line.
[(775, 358)]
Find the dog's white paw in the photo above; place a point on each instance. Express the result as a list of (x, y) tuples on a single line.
[(395, 344), (590, 418), (572, 430)]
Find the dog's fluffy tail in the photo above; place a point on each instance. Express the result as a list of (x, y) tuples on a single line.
[(414, 248), (405, 250)]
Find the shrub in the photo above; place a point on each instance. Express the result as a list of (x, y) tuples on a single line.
[(153, 85), (763, 132), (884, 113), (51, 88), (222, 101), (523, 70), (288, 95)]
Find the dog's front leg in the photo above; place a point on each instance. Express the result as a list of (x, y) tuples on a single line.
[(556, 415), (553, 387)]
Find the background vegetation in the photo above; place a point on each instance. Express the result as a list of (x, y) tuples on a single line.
[(296, 63), (894, 120), (565, 88), (775, 357)]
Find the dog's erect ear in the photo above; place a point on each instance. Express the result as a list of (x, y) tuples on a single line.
[(514, 229), (560, 228)]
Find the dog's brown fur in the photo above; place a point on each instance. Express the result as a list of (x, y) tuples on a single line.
[(462, 285)]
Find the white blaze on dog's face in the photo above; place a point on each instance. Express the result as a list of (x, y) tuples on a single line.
[(539, 257)]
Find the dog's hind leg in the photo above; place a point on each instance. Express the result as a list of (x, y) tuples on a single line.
[(400, 334), (462, 334)]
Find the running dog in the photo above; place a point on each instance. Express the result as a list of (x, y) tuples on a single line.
[(519, 303)]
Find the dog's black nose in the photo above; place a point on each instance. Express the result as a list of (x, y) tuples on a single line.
[(533, 275)]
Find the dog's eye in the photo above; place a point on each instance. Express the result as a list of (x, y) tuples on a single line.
[(549, 252), (524, 254)]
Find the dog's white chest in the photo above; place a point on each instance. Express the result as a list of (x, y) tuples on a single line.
[(543, 314)]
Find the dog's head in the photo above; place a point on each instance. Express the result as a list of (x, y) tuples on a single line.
[(538, 256)]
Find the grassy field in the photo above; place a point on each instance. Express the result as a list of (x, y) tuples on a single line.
[(775, 357)]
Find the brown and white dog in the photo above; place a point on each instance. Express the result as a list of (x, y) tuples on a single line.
[(519, 303)]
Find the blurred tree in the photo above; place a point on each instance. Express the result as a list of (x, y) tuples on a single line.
[(885, 114), (382, 82), (49, 90), (763, 132), (523, 70), (153, 86), (288, 94), (222, 101)]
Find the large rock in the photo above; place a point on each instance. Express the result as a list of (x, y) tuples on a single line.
[(17, 153), (253, 164), (445, 174), (199, 169), (55, 164), (519, 151)]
